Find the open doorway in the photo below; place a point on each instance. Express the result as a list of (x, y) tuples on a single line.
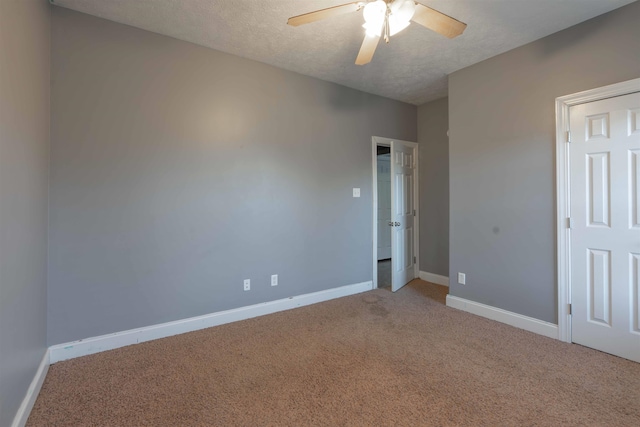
[(384, 215), (395, 216)]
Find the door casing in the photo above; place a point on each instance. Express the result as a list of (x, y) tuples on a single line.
[(386, 142), (563, 232)]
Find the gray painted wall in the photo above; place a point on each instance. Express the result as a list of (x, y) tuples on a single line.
[(178, 171), (433, 123), (24, 152), (501, 151)]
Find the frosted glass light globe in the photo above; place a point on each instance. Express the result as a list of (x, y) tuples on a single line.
[(406, 10), (394, 6), (396, 25), (375, 12), (373, 28)]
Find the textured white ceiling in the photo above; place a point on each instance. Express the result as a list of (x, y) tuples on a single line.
[(412, 68)]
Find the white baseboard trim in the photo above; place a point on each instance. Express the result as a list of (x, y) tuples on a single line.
[(434, 278), (519, 321), (93, 345), (20, 420)]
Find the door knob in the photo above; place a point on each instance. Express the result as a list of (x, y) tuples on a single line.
[(397, 224), (390, 223)]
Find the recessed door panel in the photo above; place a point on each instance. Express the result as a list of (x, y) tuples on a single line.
[(597, 126), (399, 257), (408, 247), (400, 191), (634, 187), (599, 273), (408, 194), (598, 189), (634, 121), (634, 279), (399, 159)]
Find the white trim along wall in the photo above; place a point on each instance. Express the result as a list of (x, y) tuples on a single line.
[(513, 319), (563, 104), (434, 278), (20, 420), (93, 345)]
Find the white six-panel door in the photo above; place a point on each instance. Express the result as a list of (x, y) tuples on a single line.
[(604, 156), (403, 160)]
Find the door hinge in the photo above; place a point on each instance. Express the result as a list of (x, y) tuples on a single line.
[(414, 212), (414, 260), (568, 136), (569, 309), (569, 223)]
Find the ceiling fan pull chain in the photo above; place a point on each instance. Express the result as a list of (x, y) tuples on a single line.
[(386, 25)]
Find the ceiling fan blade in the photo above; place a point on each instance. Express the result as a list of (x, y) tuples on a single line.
[(324, 13), (367, 49), (438, 22)]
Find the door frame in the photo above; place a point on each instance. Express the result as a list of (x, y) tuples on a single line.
[(386, 142), (563, 191)]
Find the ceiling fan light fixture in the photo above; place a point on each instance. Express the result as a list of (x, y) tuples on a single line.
[(375, 12), (400, 17), (403, 10), (398, 14), (396, 25), (387, 17), (373, 29)]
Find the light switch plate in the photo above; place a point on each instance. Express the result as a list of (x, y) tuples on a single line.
[(462, 278), (356, 192)]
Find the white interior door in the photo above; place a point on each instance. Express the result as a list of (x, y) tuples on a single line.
[(605, 225), (403, 158), (384, 206)]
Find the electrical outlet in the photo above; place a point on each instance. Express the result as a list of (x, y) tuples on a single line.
[(356, 192), (274, 280), (462, 278), (247, 284)]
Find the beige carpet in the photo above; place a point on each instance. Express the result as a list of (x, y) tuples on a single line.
[(373, 359)]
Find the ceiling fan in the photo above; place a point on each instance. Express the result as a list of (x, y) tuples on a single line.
[(386, 18)]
